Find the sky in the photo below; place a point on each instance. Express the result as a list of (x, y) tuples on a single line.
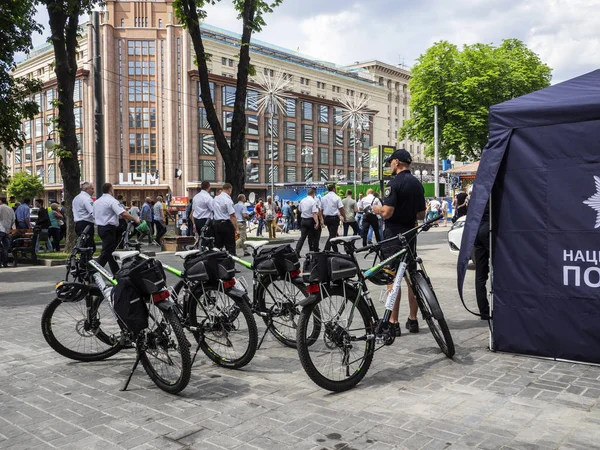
[(564, 33)]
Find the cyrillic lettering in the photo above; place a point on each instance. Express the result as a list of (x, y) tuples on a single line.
[(593, 258), (577, 271), (568, 256), (586, 277), (579, 256)]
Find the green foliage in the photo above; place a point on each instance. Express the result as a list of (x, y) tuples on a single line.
[(464, 84), (23, 185)]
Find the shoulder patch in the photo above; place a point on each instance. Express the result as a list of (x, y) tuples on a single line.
[(387, 191)]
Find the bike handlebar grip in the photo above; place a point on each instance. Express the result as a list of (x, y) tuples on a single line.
[(87, 229), (364, 249)]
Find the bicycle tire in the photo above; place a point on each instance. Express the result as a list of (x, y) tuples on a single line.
[(97, 343), (425, 296), (217, 330), (288, 311), (149, 340), (310, 352)]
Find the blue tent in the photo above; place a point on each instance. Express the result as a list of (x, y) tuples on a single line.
[(541, 168)]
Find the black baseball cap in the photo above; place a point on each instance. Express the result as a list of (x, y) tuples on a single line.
[(401, 155)]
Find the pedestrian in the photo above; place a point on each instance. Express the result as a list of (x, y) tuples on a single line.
[(23, 215), (482, 263), (241, 216), (444, 211), (135, 209), (189, 210), (369, 217), (107, 212), (11, 202), (271, 217), (43, 222), (203, 208), (83, 213), (461, 204), (309, 212), (350, 210), (146, 216), (55, 218), (159, 220), (333, 208), (433, 208), (298, 216), (7, 220), (288, 216), (63, 223), (225, 221), (359, 213), (259, 209), (404, 204)]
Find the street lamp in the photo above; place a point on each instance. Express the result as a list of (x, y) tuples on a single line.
[(306, 151), (49, 144)]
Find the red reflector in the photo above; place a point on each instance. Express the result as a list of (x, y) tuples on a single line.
[(229, 284), (295, 273), (312, 288), (160, 296)]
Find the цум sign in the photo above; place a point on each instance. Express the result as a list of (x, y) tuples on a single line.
[(144, 179)]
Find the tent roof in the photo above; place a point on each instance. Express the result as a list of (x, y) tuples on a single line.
[(574, 100), (466, 169)]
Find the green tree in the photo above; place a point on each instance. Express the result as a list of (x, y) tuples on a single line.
[(23, 185), (251, 13), (16, 27), (464, 85), (64, 32)]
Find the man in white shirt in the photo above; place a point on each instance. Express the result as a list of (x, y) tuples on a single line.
[(83, 213), (370, 219), (333, 208), (225, 221), (309, 213), (107, 212), (202, 207), (241, 215), (445, 211), (159, 219), (434, 206)]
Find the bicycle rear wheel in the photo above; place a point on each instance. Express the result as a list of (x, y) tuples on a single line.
[(227, 329), (430, 308), (341, 355), (164, 351), (73, 333)]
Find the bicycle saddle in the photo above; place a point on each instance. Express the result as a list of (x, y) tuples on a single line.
[(186, 253), (122, 256), (256, 244), (344, 239)]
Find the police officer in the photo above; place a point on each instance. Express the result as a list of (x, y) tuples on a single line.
[(107, 211), (403, 204), (202, 206), (83, 213), (309, 213), (225, 225), (332, 209)]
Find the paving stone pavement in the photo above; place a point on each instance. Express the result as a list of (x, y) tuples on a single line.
[(412, 398)]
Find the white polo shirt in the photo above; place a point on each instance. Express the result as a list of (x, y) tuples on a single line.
[(203, 205), (331, 204), (240, 209), (107, 210), (83, 207), (223, 206), (307, 207)]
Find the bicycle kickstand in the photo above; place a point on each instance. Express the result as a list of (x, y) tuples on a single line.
[(135, 364), (196, 353), (269, 325)]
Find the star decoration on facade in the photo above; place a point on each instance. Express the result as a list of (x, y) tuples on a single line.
[(594, 201), (273, 92), (355, 112)]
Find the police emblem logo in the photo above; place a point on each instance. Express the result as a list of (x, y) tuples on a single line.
[(387, 192)]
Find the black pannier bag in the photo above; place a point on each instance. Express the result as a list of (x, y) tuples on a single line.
[(217, 265), (147, 276), (277, 261), (130, 307), (323, 267), (194, 268)]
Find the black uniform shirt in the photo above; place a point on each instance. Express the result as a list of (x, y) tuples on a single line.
[(406, 194)]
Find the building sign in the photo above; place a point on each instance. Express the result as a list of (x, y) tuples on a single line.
[(377, 168), (133, 179), (179, 201), (374, 163), (386, 151)]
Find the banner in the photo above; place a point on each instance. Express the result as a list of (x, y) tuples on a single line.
[(387, 151), (374, 168)]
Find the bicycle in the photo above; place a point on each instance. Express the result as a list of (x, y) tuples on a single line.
[(160, 344), (339, 360)]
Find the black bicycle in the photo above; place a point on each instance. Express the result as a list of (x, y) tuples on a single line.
[(350, 325)]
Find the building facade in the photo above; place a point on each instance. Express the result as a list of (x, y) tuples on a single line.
[(157, 137)]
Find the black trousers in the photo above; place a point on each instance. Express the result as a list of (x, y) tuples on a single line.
[(108, 234), (80, 227), (370, 220), (307, 230), (199, 223), (161, 229), (482, 267), (332, 223), (225, 235), (352, 225)]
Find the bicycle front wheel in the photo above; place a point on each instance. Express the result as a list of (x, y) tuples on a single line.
[(77, 334), (342, 353), (226, 329), (430, 308), (164, 351)]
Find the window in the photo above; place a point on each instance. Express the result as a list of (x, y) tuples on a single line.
[(351, 138), (323, 113), (141, 68), (141, 90), (38, 101), (339, 138), (307, 133), (27, 129), (77, 92), (323, 155), (27, 152), (141, 47), (208, 171), (307, 155), (290, 174), (290, 109), (272, 175), (78, 117), (252, 125), (320, 85), (324, 174), (365, 160), (366, 141), (252, 149), (79, 137), (351, 159), (223, 61), (307, 111), (227, 120), (39, 131), (338, 116), (17, 153), (275, 153), (142, 117), (307, 173), (338, 158), (50, 154), (228, 96), (290, 130), (50, 99), (252, 100), (207, 144), (323, 135), (252, 174), (202, 120), (290, 152), (230, 62), (275, 127), (39, 151), (52, 173), (212, 91), (268, 72)]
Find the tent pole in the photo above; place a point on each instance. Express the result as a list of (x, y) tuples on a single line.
[(436, 160), (491, 294)]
